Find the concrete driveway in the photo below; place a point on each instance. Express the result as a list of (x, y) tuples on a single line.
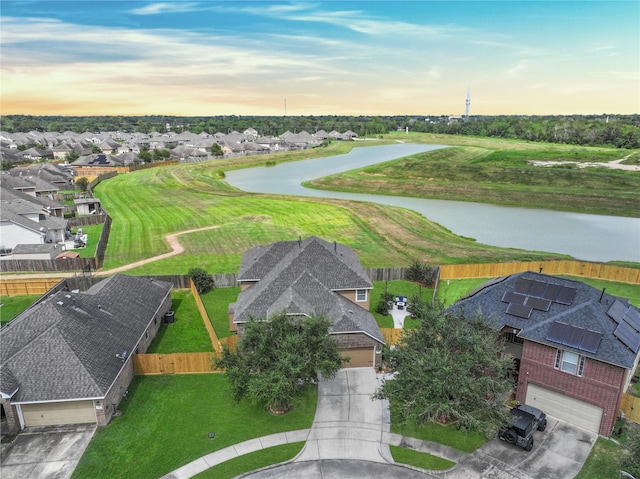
[(45, 452), (558, 452)]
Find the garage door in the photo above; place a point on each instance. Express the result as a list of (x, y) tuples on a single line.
[(55, 413), (573, 411), (360, 357)]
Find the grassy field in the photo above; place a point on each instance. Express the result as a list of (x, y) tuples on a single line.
[(188, 333), (166, 423), (149, 204), (500, 172), (12, 306)]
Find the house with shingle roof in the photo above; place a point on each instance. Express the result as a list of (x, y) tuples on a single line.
[(68, 358), (575, 347), (311, 277)]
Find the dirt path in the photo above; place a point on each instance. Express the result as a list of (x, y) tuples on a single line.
[(172, 239), (613, 164)]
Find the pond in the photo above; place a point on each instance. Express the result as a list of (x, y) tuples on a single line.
[(583, 236)]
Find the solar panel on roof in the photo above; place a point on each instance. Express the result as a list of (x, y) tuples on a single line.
[(513, 297), (625, 333), (523, 285), (551, 293), (633, 318), (617, 310), (590, 341), (557, 332), (566, 295), (537, 288), (519, 310), (538, 303), (573, 337)]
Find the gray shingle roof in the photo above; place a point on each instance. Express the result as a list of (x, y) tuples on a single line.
[(302, 277), (588, 310), (65, 346)]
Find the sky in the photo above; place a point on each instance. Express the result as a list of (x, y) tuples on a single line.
[(206, 58)]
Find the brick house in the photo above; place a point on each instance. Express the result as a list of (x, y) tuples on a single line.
[(67, 359), (575, 348), (309, 277)]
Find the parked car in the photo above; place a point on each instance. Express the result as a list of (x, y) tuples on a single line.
[(524, 420)]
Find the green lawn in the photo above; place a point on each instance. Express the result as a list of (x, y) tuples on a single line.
[(188, 333), (603, 461), (451, 290), (397, 288), (448, 435), (93, 233), (216, 302), (420, 459), (252, 461), (12, 306), (166, 423)]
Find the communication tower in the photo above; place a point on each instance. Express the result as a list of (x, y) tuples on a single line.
[(467, 104)]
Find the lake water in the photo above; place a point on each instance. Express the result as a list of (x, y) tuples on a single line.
[(583, 236)]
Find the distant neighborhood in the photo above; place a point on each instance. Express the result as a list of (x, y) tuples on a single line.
[(116, 148), (33, 220)]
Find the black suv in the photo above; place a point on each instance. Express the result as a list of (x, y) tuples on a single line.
[(524, 420)]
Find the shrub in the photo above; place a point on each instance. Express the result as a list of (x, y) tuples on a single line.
[(203, 280), (422, 273)]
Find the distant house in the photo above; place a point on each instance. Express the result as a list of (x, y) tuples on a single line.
[(68, 358), (36, 251), (575, 348), (87, 206), (308, 277), (29, 220)]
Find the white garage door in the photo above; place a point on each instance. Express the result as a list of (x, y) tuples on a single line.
[(576, 412), (55, 413)]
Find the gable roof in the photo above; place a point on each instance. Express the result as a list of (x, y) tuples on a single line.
[(65, 347), (302, 277), (584, 308)]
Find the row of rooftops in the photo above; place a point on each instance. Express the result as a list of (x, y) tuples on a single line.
[(52, 145)]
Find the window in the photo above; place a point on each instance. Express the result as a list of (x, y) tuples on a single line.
[(513, 338), (569, 362), (361, 295)]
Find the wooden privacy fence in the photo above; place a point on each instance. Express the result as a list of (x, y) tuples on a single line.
[(568, 267), (176, 363), (215, 342), (27, 286), (391, 335), (630, 406)]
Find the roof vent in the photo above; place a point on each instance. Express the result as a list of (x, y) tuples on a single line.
[(60, 303), (122, 356)]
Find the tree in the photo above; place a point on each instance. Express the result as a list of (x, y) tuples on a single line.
[(203, 280), (277, 358), (216, 150), (448, 369), (82, 183), (71, 156), (421, 273)]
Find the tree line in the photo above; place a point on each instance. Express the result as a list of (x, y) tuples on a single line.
[(620, 131)]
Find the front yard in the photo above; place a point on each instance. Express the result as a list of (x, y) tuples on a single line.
[(166, 422)]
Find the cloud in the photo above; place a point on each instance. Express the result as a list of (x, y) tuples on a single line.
[(160, 8)]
